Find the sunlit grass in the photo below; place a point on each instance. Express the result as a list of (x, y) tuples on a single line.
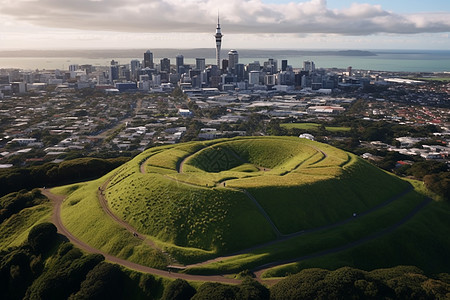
[(83, 216), (14, 230), (313, 127)]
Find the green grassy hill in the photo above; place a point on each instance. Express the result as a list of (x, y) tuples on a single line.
[(204, 205), (275, 198)]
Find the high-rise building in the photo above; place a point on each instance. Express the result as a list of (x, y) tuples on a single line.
[(349, 71), (165, 65), (309, 66), (233, 59), (200, 64), (148, 60), (224, 65), (135, 64), (180, 63), (218, 37), (271, 66), (113, 73), (73, 68), (254, 66), (284, 64), (239, 71), (253, 77)]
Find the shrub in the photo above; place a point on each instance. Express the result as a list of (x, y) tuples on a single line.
[(104, 281), (178, 289), (42, 236), (215, 291), (251, 289)]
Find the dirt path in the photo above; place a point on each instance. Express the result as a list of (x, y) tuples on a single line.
[(261, 269), (286, 237), (262, 211), (104, 204), (283, 237), (56, 218)]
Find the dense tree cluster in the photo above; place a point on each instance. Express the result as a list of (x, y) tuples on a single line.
[(51, 174), (45, 267), (15, 202), (348, 283), (439, 183)]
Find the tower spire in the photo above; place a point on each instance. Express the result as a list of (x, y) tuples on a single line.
[(218, 37)]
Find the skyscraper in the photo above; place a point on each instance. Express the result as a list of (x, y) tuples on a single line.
[(165, 65), (284, 64), (200, 64), (135, 64), (218, 37), (148, 60), (180, 63), (233, 59), (309, 66)]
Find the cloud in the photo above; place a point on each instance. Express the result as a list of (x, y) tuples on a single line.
[(237, 16)]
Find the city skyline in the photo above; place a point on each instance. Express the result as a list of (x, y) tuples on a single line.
[(265, 24)]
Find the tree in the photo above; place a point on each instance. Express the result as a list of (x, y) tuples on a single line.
[(251, 289), (439, 183), (178, 289), (215, 291), (42, 237), (104, 281)]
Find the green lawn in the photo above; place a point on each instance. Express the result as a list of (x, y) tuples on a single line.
[(82, 215), (318, 241), (313, 127), (14, 230), (203, 211), (422, 242), (442, 79)]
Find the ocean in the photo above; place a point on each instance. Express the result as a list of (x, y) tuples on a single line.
[(383, 60)]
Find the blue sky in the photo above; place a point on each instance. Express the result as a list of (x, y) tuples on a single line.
[(307, 24)]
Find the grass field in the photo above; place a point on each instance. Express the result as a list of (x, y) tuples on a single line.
[(313, 127), (317, 241), (203, 199), (81, 213), (289, 177), (421, 242), (441, 79), (14, 231)]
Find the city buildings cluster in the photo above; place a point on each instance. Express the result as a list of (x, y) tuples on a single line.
[(49, 114), (148, 75)]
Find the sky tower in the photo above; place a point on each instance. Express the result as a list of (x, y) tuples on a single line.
[(218, 36)]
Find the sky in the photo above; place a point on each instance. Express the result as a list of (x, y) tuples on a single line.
[(246, 24)]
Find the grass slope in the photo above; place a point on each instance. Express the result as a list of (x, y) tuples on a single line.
[(314, 242), (313, 127), (423, 242), (82, 216), (358, 187), (14, 230), (202, 199)]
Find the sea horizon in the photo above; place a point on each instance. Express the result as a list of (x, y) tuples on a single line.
[(390, 60)]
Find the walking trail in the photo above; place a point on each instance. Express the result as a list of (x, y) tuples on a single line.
[(56, 219)]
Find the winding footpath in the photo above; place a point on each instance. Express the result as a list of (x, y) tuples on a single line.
[(261, 269), (56, 219), (57, 201)]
